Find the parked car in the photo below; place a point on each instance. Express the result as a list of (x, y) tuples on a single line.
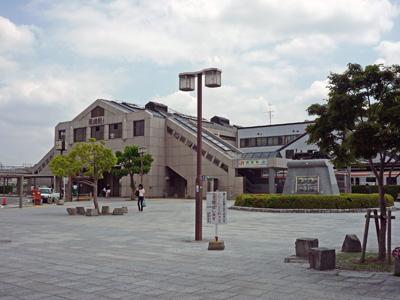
[(48, 196)]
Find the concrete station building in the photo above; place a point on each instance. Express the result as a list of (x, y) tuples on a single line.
[(235, 159)]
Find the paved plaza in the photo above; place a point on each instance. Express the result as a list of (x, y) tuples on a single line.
[(46, 254)]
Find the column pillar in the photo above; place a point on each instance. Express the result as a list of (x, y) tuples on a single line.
[(271, 181)]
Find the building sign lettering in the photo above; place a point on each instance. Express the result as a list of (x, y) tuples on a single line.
[(307, 184), (252, 163)]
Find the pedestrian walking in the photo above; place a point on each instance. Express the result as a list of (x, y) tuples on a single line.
[(140, 194), (108, 191)]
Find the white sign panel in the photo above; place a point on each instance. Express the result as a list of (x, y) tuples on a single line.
[(216, 207), (253, 163)]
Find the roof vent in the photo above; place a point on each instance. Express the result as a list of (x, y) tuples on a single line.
[(156, 106), (220, 120)]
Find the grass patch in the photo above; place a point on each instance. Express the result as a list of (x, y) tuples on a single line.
[(351, 261)]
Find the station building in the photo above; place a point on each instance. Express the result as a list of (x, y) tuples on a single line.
[(235, 159)]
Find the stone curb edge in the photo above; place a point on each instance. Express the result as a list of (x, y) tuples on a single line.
[(302, 210)]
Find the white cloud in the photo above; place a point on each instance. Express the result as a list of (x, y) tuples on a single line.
[(389, 52), (14, 38), (196, 31)]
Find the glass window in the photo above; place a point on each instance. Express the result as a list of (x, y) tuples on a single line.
[(79, 134), (138, 128), (61, 135), (115, 131), (97, 112), (97, 132)]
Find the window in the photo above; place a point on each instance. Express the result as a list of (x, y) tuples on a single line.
[(209, 157), (261, 141), (97, 132), (194, 147), (61, 135), (216, 161), (138, 128), (170, 130), (289, 153), (182, 139), (189, 144), (115, 131), (177, 135), (97, 112), (224, 167), (357, 180), (79, 134), (203, 152), (371, 179), (391, 180)]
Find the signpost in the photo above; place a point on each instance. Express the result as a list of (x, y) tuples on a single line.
[(216, 214)]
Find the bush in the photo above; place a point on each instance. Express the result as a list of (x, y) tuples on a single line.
[(6, 189), (311, 201), (393, 190)]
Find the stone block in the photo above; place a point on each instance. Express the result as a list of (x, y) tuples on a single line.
[(92, 212), (351, 243), (105, 210), (80, 210), (118, 211), (322, 258), (71, 211), (125, 208), (397, 266), (60, 202), (216, 245), (303, 246)]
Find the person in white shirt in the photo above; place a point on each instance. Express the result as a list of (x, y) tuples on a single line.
[(140, 193)]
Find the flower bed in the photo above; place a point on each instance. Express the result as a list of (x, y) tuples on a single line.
[(342, 201)]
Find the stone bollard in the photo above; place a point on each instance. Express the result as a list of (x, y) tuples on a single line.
[(322, 258), (125, 208), (397, 266), (92, 212), (71, 211), (105, 210), (118, 211), (80, 210), (303, 246), (351, 243)]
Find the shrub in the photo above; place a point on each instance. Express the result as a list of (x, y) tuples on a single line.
[(342, 201), (393, 190)]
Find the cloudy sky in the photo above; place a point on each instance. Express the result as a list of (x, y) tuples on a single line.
[(56, 57)]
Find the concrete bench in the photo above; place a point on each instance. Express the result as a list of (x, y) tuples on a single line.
[(80, 210), (322, 258), (303, 246), (118, 211), (71, 211)]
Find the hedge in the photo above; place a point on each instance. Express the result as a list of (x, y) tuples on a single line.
[(6, 189), (393, 190), (341, 201)]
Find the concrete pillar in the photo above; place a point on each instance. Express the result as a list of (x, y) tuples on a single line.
[(106, 131), (271, 181), (88, 133)]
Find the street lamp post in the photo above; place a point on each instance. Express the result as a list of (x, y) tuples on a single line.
[(187, 83)]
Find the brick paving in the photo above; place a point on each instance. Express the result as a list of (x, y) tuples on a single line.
[(46, 254)]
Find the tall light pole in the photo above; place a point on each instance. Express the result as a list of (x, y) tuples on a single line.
[(187, 83)]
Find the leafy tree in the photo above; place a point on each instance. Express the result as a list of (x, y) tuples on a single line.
[(64, 166), (90, 159), (130, 163), (361, 121)]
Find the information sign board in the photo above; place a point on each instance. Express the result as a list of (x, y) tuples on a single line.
[(216, 207)]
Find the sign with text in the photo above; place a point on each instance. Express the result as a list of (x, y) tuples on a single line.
[(252, 163), (216, 207), (307, 184)]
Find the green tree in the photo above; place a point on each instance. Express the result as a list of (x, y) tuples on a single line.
[(90, 160), (131, 162), (361, 121)]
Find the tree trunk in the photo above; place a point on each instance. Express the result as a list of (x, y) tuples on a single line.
[(69, 189), (95, 202), (382, 229), (133, 187), (348, 187)]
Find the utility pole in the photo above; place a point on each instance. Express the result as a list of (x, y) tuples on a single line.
[(270, 111)]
